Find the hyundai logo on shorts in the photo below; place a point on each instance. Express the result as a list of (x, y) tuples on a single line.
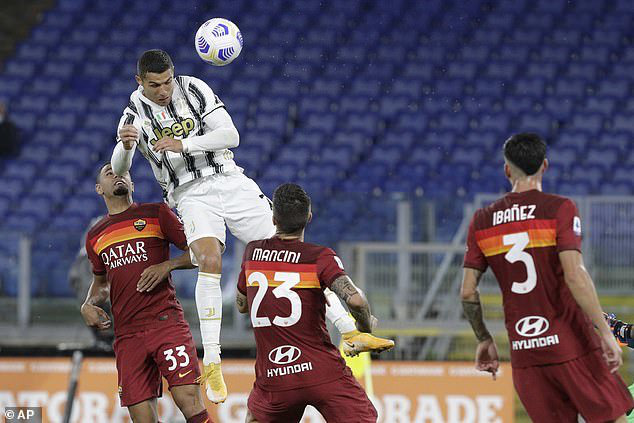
[(284, 354), (531, 326)]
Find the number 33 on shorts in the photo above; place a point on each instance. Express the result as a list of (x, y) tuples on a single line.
[(177, 358)]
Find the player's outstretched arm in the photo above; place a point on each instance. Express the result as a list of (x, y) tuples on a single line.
[(356, 301), (98, 293), (155, 274), (220, 133), (582, 288), (121, 159), (486, 353)]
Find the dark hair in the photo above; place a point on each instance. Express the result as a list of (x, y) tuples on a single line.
[(155, 61), (99, 169), (527, 151), (291, 206)]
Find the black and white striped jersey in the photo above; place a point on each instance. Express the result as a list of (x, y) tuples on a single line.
[(192, 101)]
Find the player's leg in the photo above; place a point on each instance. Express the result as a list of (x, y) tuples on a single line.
[(543, 399), (176, 357), (144, 412), (342, 401), (138, 377), (597, 394), (205, 230), (355, 342), (189, 400), (275, 407)]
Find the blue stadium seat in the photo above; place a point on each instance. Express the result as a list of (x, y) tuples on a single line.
[(585, 71), (576, 140), (354, 104), (541, 123), (605, 158), (590, 123), (623, 122)]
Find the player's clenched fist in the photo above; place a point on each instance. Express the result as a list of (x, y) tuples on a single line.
[(95, 316), (128, 135), (168, 144)]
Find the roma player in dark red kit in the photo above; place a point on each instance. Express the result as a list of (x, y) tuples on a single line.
[(562, 365), (129, 252), (281, 284)]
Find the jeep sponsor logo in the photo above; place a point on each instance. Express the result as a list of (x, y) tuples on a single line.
[(285, 354), (179, 129)]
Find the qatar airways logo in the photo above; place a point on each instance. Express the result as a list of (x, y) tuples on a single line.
[(124, 254)]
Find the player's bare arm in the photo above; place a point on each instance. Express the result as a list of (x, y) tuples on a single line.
[(471, 303), (153, 275), (241, 302), (487, 359), (98, 293), (582, 288), (128, 135), (356, 301)]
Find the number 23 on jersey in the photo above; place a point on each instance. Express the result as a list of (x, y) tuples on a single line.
[(284, 290)]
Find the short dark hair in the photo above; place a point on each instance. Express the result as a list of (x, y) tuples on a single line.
[(155, 61), (100, 168), (291, 207), (526, 150)]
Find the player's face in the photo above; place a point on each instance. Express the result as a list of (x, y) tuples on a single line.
[(111, 185), (158, 87)]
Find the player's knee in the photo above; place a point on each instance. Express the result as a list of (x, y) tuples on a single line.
[(190, 402), (210, 262)]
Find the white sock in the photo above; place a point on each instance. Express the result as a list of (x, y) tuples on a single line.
[(209, 305), (337, 314)]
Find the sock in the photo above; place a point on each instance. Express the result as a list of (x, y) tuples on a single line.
[(337, 314), (202, 417), (209, 305)]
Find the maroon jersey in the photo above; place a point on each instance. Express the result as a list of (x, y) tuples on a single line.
[(121, 246), (284, 281), (520, 237)]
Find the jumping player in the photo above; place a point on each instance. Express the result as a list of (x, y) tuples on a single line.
[(532, 242), (183, 129), (281, 283), (129, 252)]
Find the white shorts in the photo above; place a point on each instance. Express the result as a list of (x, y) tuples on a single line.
[(205, 205)]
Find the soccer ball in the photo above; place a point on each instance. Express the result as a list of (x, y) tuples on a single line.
[(218, 41)]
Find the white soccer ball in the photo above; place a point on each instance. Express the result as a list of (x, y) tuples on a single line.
[(218, 41)]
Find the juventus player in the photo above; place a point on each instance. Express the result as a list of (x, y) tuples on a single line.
[(532, 242), (183, 129)]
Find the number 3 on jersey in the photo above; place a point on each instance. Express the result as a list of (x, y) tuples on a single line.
[(289, 280), (519, 241)]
